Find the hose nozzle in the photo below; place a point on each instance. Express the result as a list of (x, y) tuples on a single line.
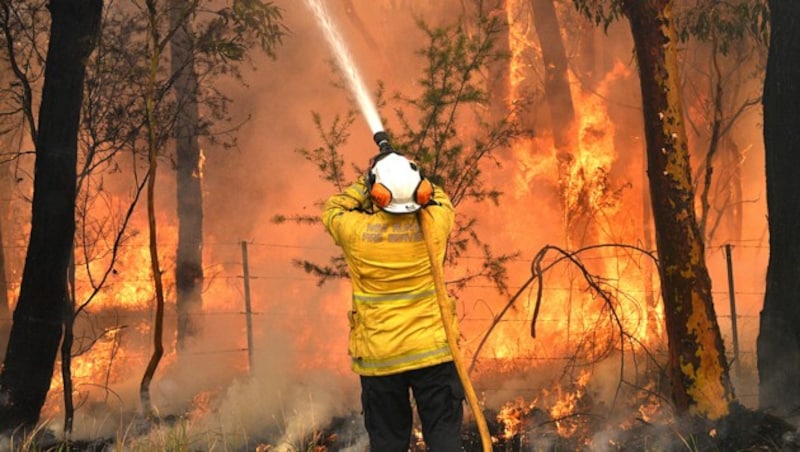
[(382, 140)]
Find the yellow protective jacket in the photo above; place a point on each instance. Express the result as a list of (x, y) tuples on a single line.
[(395, 323)]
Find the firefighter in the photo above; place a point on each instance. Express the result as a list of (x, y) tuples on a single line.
[(397, 341)]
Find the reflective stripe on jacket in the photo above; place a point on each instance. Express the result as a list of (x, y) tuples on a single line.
[(395, 323)]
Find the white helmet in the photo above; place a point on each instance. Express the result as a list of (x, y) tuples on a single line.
[(396, 185)]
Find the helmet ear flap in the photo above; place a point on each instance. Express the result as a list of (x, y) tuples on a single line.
[(424, 192), (381, 196)]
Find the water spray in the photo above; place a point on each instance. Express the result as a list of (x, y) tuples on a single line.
[(380, 137), (346, 65)]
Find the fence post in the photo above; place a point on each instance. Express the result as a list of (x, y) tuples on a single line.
[(247, 310), (732, 298)]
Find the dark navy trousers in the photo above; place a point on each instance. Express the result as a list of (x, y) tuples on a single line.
[(388, 415)]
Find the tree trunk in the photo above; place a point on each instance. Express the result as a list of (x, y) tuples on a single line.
[(697, 367), (154, 55), (556, 81), (779, 334), (43, 298), (189, 259), (577, 218)]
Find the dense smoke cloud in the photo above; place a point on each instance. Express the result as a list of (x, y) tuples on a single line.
[(300, 378)]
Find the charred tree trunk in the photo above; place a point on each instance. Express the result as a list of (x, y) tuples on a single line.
[(556, 81), (189, 259), (577, 215), (779, 333), (43, 298), (697, 367)]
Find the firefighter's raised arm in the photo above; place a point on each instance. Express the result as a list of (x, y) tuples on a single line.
[(353, 198)]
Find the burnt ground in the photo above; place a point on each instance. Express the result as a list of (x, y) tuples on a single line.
[(743, 430)]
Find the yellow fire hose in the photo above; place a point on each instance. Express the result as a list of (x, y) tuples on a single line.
[(426, 225)]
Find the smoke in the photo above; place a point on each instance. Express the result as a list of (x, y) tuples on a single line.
[(300, 381), (292, 409)]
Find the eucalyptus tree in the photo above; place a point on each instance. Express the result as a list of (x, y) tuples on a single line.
[(697, 367), (44, 298)]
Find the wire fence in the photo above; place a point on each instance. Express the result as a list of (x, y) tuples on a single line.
[(268, 302)]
